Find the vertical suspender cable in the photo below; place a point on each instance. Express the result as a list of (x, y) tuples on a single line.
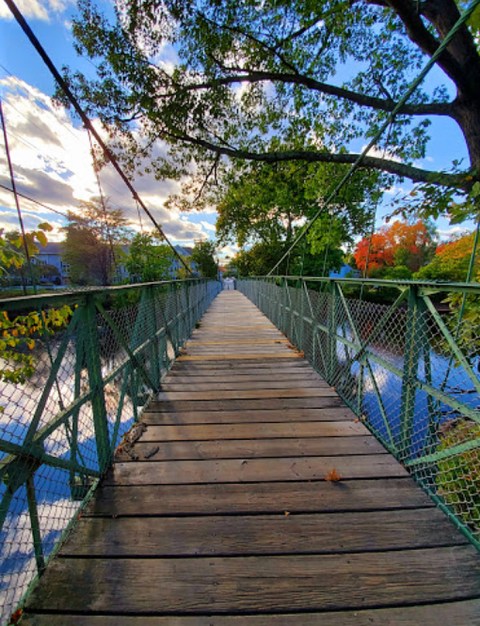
[(17, 204), (102, 202)]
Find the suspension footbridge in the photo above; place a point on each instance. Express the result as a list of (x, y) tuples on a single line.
[(248, 492)]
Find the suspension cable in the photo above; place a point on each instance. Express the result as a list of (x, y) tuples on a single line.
[(86, 121), (17, 204), (103, 203), (410, 90)]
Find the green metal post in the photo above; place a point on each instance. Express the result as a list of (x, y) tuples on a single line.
[(151, 312), (35, 523), (332, 333), (94, 368), (414, 336), (79, 362), (300, 334)]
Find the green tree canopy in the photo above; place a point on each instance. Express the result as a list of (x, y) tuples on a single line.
[(203, 256), (148, 259), (280, 81), (261, 202), (93, 240), (258, 260)]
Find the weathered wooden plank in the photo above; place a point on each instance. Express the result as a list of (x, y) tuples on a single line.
[(245, 349), (253, 448), (244, 356), (259, 332), (242, 376), (214, 327), (253, 470), (222, 385), (239, 417), (284, 366), (262, 534), (260, 497), (246, 394), (446, 613), (278, 404), (260, 584), (201, 432), (253, 341)]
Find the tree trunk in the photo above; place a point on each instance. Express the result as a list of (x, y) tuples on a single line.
[(467, 115)]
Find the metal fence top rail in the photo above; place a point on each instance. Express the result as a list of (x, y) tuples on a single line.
[(76, 295), (432, 286)]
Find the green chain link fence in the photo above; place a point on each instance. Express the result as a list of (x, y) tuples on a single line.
[(75, 372), (404, 361)]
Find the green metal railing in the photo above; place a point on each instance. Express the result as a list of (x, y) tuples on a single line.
[(60, 427), (405, 362)]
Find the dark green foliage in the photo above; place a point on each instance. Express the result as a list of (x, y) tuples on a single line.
[(149, 260), (203, 256)]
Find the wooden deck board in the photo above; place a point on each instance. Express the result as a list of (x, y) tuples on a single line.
[(326, 414), (199, 432), (215, 585), (224, 514), (466, 613), (233, 404), (244, 535), (252, 470), (258, 498), (252, 448)]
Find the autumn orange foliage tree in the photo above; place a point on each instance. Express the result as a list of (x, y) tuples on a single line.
[(401, 244), (451, 260)]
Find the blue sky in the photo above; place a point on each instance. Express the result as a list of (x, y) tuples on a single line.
[(51, 155)]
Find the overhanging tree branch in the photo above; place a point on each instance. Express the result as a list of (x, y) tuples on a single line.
[(463, 181), (256, 76)]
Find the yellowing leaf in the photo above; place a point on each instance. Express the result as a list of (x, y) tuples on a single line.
[(42, 238)]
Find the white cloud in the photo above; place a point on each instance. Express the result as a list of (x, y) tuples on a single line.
[(380, 153), (208, 226), (227, 251), (447, 233), (35, 9), (53, 165)]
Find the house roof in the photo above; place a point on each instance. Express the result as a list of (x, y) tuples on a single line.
[(52, 247)]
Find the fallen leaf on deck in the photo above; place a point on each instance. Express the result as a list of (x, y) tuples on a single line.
[(15, 617), (333, 476), (286, 513)]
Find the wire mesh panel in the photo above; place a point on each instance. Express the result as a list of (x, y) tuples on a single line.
[(75, 373), (406, 358)]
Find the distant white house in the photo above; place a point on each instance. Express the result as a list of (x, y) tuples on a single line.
[(51, 255)]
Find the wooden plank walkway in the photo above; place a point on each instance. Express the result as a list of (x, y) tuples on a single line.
[(226, 516)]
